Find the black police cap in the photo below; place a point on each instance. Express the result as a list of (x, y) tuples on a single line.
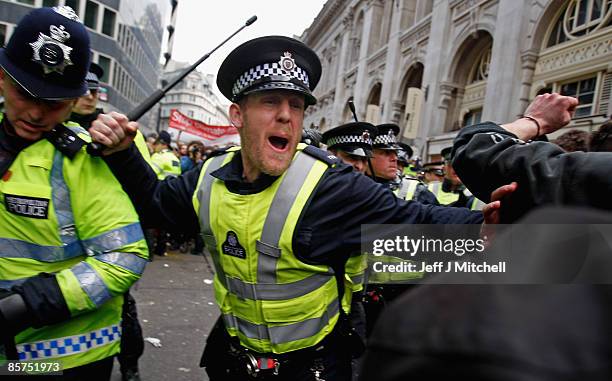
[(93, 77), (386, 137), (164, 137), (48, 54), (354, 138), (270, 63)]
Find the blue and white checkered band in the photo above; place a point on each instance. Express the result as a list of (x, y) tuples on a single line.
[(274, 71), (388, 138), (344, 139)]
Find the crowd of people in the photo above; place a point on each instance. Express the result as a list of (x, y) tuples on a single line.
[(281, 218)]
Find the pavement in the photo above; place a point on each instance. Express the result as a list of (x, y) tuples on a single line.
[(176, 305)]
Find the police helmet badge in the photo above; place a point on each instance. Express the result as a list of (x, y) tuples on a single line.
[(366, 137), (287, 63), (51, 52)]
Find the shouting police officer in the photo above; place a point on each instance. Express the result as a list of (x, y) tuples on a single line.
[(280, 219)]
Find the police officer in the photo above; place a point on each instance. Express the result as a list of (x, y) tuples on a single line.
[(66, 256), (84, 112), (352, 143), (86, 109), (433, 171), (280, 220), (164, 161), (451, 191), (385, 166)]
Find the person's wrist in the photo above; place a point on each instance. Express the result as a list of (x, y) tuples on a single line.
[(536, 123)]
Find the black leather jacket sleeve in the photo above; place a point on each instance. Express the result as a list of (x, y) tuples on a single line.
[(486, 156)]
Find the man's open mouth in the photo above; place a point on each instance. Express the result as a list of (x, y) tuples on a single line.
[(31, 126), (278, 143)]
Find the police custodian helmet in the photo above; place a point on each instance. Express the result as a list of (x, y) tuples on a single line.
[(48, 54), (270, 63)]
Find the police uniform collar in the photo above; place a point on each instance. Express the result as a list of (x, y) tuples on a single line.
[(231, 175)]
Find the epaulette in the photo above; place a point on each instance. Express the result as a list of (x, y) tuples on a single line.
[(66, 140), (321, 155)]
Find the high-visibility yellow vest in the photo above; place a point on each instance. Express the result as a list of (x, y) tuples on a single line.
[(407, 188), (165, 163), (70, 217), (269, 299), (444, 198)]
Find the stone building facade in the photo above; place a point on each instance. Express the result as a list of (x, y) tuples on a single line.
[(434, 66)]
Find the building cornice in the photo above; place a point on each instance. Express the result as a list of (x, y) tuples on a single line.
[(330, 12)]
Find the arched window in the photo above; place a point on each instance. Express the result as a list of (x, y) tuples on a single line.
[(580, 18), (480, 71)]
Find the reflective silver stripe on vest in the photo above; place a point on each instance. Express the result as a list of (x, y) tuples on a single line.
[(114, 239), (403, 190), (204, 197), (92, 283), (282, 291), (477, 204), (128, 261), (408, 187), (277, 216), (14, 248), (61, 201), (109, 241), (435, 188), (285, 333), (65, 346)]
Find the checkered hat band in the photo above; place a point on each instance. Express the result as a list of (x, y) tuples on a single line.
[(385, 139), (268, 70), (344, 139)]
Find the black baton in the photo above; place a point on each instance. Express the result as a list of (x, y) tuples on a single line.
[(95, 149)]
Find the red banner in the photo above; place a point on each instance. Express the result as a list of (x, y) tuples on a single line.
[(212, 135)]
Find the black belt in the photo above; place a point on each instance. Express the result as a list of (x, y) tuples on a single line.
[(257, 364)]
